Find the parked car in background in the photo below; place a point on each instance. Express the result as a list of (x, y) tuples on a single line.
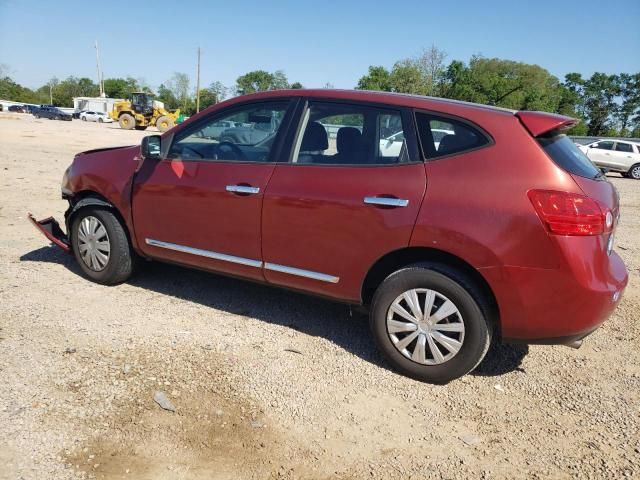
[(52, 113), (214, 130), (17, 109), (448, 247), (91, 116), (31, 108), (616, 156)]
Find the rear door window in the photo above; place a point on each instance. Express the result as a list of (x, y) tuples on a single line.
[(336, 133), (624, 147), (441, 136), (568, 156)]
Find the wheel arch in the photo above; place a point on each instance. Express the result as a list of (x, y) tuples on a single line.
[(398, 259), (89, 198)]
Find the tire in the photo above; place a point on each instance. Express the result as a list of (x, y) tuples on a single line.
[(164, 123), (119, 264), (100, 120), (470, 321), (141, 127), (126, 121), (84, 119), (634, 172)]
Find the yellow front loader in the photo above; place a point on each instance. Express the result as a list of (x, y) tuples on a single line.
[(143, 111)]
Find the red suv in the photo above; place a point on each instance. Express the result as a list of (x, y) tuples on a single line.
[(454, 223)]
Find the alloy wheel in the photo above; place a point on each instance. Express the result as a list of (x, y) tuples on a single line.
[(93, 243), (635, 172), (425, 326)]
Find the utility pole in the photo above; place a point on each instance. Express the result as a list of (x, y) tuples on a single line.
[(100, 81), (198, 84)]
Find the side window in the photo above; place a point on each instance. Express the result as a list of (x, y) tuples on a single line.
[(444, 136), (244, 134), (624, 147), (604, 145), (345, 134)]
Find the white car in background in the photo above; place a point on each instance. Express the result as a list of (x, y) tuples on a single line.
[(99, 117), (616, 156), (392, 145)]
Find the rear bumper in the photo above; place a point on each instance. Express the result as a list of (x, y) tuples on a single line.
[(557, 306), (50, 228)]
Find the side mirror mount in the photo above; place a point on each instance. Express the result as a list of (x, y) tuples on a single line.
[(151, 147)]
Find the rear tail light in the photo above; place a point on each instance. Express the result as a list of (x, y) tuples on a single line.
[(566, 213)]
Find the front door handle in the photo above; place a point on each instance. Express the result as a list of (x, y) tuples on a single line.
[(386, 201), (243, 189)]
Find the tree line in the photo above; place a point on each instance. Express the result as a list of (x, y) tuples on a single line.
[(607, 105), (175, 92)]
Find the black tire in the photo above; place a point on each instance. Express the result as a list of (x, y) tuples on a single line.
[(164, 123), (471, 303), (121, 261), (126, 121), (84, 119), (100, 120), (634, 172)]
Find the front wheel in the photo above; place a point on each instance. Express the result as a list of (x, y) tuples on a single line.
[(101, 246), (126, 121), (428, 322), (100, 120), (164, 123), (634, 172)]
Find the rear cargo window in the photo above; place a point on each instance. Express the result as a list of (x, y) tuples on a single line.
[(441, 136), (568, 156)]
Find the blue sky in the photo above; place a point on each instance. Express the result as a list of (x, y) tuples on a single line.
[(313, 42)]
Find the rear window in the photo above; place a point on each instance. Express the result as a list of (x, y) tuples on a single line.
[(568, 156)]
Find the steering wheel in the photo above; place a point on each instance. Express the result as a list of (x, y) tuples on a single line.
[(222, 146)]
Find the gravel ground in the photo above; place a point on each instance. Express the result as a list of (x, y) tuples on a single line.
[(266, 383)]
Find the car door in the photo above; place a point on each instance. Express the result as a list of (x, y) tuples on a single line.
[(201, 203), (341, 201), (600, 153), (624, 156)]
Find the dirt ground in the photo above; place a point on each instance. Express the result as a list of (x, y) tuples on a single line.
[(267, 383)]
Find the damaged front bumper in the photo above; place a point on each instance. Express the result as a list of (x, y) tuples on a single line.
[(50, 228)]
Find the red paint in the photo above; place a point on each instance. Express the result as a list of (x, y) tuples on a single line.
[(473, 206)]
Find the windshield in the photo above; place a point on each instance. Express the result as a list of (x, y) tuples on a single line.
[(568, 156)]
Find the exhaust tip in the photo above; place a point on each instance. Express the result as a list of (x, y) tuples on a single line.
[(575, 344)]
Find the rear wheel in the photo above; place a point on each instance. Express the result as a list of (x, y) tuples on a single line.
[(164, 123), (100, 120), (634, 172), (126, 121), (101, 246), (430, 323)]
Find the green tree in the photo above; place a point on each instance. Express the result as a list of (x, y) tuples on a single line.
[(597, 102), (629, 92), (378, 78), (407, 77), (166, 96), (121, 87), (260, 81), (296, 86)]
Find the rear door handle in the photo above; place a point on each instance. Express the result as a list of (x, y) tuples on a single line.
[(243, 189), (386, 201)]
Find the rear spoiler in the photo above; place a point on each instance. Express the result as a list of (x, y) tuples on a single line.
[(539, 123)]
